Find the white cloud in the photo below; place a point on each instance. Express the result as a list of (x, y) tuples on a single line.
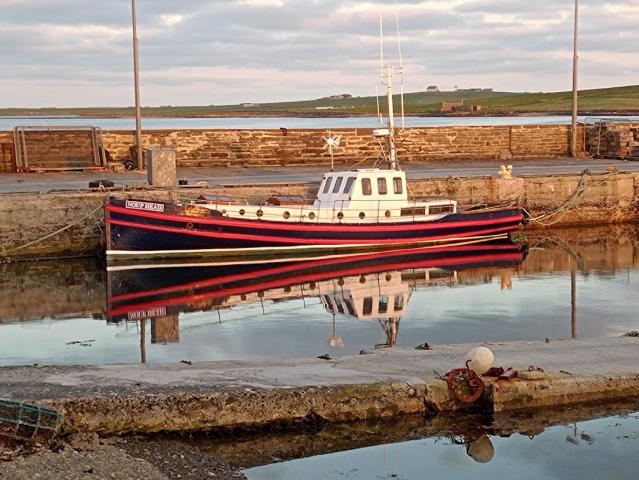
[(228, 51), (171, 19)]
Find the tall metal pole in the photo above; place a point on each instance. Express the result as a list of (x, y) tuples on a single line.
[(143, 340), (575, 58), (136, 79)]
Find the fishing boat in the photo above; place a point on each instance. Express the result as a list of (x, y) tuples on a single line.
[(354, 210)]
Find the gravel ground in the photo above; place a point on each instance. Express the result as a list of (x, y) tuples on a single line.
[(178, 460), (89, 458)]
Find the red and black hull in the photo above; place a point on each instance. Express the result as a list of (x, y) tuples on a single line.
[(145, 293), (184, 228)]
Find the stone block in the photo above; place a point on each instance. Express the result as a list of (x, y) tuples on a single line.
[(161, 167)]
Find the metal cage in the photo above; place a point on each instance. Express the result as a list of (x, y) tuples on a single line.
[(28, 422)]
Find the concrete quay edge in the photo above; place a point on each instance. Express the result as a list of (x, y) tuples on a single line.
[(115, 399)]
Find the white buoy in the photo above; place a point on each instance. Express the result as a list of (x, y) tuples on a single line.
[(479, 359)]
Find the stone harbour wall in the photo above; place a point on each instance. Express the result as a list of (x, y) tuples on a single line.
[(201, 148)]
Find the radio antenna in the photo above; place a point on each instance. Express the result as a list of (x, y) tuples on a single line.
[(381, 44)]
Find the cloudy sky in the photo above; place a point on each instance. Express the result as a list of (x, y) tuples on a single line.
[(201, 52)]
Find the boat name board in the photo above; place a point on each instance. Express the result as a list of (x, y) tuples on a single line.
[(150, 313), (137, 205)]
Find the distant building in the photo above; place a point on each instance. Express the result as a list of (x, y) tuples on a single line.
[(475, 90), (450, 106), (343, 96), (432, 88), (249, 105), (324, 108)]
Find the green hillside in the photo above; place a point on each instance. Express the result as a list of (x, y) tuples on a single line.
[(617, 99)]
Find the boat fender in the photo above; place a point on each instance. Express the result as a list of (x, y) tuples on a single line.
[(479, 359)]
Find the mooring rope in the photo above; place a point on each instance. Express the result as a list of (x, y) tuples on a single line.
[(53, 234), (581, 187)]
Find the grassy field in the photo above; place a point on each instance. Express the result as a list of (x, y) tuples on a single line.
[(617, 99)]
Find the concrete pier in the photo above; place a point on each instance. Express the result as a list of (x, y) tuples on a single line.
[(375, 384)]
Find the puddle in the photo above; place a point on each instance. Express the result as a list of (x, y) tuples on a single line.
[(568, 444)]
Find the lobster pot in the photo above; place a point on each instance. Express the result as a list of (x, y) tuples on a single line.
[(27, 422)]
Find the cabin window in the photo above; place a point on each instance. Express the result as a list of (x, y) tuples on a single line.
[(349, 185), (433, 209), (381, 186), (383, 304), (328, 303), (439, 275), (349, 307), (412, 211), (338, 184), (340, 307), (367, 307), (366, 186), (398, 185), (327, 185), (399, 303)]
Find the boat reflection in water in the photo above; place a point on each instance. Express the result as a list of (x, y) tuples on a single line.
[(372, 286)]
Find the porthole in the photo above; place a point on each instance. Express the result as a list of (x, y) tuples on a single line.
[(362, 279), (362, 215), (259, 213), (311, 215), (189, 226), (286, 215), (340, 282), (312, 285), (387, 214), (388, 277), (242, 211), (340, 215)]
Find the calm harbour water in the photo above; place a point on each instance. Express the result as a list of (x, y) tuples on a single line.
[(577, 282), (8, 123), (75, 313), (603, 448)]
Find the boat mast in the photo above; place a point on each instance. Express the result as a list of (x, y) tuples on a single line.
[(392, 152), (390, 134)]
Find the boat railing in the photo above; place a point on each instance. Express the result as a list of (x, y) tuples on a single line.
[(374, 211), (336, 211)]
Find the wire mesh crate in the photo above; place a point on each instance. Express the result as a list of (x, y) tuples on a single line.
[(27, 422)]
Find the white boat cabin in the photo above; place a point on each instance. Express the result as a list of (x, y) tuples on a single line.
[(354, 196), (367, 297)]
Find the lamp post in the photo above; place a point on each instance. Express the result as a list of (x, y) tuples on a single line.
[(573, 134), (136, 79)]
